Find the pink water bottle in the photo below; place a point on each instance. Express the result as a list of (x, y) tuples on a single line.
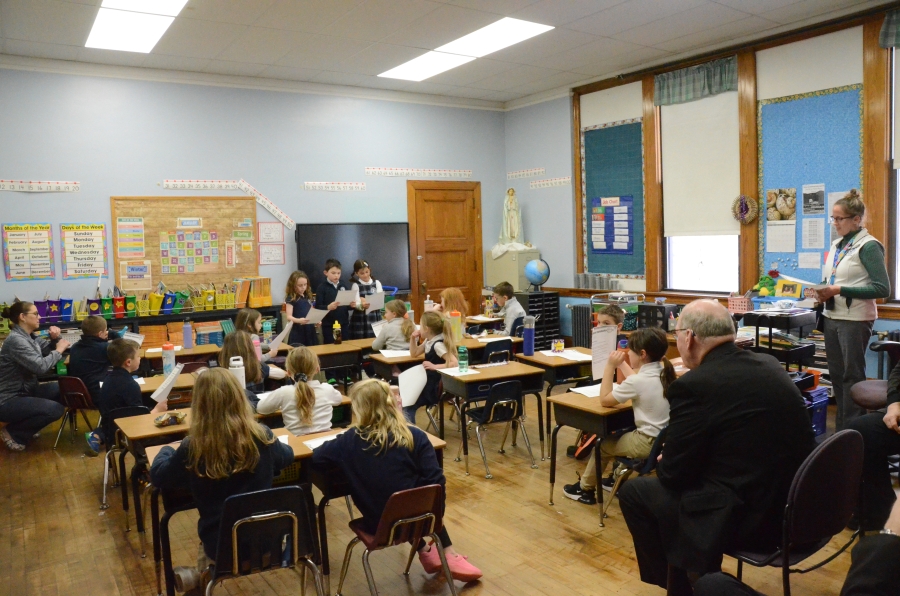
[(257, 348)]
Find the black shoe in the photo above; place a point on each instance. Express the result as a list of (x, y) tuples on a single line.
[(608, 483), (576, 493)]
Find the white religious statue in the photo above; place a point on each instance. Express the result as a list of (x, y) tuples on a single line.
[(511, 231)]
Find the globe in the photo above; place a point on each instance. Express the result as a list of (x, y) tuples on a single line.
[(537, 272)]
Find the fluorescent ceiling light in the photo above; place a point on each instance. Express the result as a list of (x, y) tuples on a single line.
[(496, 36), (169, 8), (425, 66), (127, 31)]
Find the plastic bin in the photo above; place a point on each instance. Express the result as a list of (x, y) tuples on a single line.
[(655, 315), (817, 406)]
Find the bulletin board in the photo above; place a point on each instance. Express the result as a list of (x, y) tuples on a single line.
[(808, 139), (612, 159), (183, 240)]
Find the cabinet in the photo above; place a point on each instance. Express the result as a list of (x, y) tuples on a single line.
[(544, 306), (509, 267)]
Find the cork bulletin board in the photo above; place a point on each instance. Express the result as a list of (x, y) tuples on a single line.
[(182, 240)]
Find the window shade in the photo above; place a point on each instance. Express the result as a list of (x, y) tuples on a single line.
[(701, 166)]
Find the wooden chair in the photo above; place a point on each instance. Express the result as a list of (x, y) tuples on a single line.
[(76, 398)]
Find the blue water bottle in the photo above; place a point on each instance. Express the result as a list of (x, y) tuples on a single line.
[(528, 336), (187, 332)]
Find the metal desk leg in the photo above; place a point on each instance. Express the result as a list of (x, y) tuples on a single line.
[(540, 412), (550, 387), (441, 417), (168, 572), (599, 488), (323, 541), (157, 554), (553, 459), (138, 512), (465, 434), (123, 481)]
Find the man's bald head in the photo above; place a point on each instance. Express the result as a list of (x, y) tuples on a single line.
[(707, 319)]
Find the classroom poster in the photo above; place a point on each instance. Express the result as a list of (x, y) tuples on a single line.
[(270, 232), (28, 251), (189, 251), (611, 225), (130, 238), (271, 254), (83, 250), (135, 276)]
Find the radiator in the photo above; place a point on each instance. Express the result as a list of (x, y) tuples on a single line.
[(581, 325)]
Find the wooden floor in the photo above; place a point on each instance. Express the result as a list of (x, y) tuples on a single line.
[(55, 540)]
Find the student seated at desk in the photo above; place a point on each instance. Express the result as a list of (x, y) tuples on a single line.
[(646, 380), (307, 406), (395, 335), (440, 352), (226, 452), (510, 309), (119, 390), (255, 372), (453, 299), (380, 455), (250, 320), (88, 359)]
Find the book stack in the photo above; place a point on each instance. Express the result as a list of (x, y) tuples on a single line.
[(209, 332), (260, 292), (154, 336), (820, 360)]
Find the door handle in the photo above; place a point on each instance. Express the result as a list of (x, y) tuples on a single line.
[(424, 286)]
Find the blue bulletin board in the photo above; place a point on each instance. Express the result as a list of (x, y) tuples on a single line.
[(612, 163), (813, 138)]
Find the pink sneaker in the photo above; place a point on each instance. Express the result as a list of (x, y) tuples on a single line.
[(430, 560), (461, 569)]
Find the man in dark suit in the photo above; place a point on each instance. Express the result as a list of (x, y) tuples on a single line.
[(738, 431)]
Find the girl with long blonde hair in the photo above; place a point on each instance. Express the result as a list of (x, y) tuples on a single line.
[(306, 406), (250, 320), (238, 343), (226, 452), (440, 352), (380, 455), (395, 335)]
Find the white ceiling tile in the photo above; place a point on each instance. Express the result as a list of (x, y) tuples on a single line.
[(175, 62), (321, 51), (110, 57), (562, 79), (629, 61), (376, 59), (234, 68), (476, 70), (191, 38), (684, 23), (289, 73), (715, 35), (441, 26), (513, 77), (449, 90), (238, 12), (374, 20), (35, 49), (805, 9), (633, 13), (602, 49), (86, 2), (502, 96), (756, 6), (561, 12), (338, 78), (502, 7), (546, 44), (46, 21), (259, 45), (382, 83), (305, 15)]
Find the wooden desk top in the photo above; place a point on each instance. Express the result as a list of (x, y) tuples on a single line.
[(474, 321), (341, 348), (509, 370), (554, 361), (586, 404), (204, 350), (184, 381), (362, 344), (379, 357), (298, 444)]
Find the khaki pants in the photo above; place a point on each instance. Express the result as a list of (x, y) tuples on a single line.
[(633, 444)]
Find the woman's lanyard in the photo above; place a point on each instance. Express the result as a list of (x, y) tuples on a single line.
[(839, 256)]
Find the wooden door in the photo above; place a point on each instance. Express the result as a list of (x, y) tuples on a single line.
[(444, 240)]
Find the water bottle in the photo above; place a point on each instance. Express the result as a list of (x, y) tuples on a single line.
[(623, 345), (168, 358), (188, 335), (455, 319), (257, 347), (429, 304), (336, 332), (528, 337), (267, 331), (236, 367), (463, 358)]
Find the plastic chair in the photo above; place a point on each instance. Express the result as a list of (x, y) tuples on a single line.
[(821, 500), (503, 404), (77, 398), (408, 516), (497, 351), (631, 465), (115, 443), (518, 327), (267, 529)]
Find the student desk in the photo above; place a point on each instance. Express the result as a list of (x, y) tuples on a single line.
[(331, 483), (559, 371), (384, 365), (586, 414), (338, 356), (202, 353), (185, 381), (471, 388)]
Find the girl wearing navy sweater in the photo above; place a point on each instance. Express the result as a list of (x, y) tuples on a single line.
[(227, 452), (440, 352), (380, 455)]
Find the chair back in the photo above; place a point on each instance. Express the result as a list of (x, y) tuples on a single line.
[(75, 394), (497, 351), (190, 367), (504, 402), (825, 489), (518, 327), (892, 348), (409, 515), (650, 462), (266, 529)]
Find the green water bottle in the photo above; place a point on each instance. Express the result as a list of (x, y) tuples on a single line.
[(61, 368), (463, 359)]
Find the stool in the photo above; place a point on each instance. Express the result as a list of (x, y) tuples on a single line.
[(871, 395)]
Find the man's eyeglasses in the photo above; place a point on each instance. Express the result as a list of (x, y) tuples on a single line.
[(677, 330)]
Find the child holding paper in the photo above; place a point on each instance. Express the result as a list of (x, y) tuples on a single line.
[(360, 321), (250, 320), (255, 372), (396, 333), (307, 406), (326, 298), (119, 390), (297, 303), (440, 352)]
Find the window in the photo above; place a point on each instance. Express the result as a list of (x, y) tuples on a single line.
[(703, 263)]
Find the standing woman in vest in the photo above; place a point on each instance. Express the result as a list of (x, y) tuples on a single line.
[(856, 275)]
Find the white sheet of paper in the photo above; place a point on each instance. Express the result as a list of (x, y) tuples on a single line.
[(590, 390), (376, 302), (455, 372), (139, 381), (488, 339), (813, 232), (283, 439), (484, 319), (781, 236), (412, 381), (150, 350), (377, 327), (316, 315), (162, 392), (279, 339), (603, 343), (809, 260), (313, 443), (345, 297), (395, 353), (135, 337)]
